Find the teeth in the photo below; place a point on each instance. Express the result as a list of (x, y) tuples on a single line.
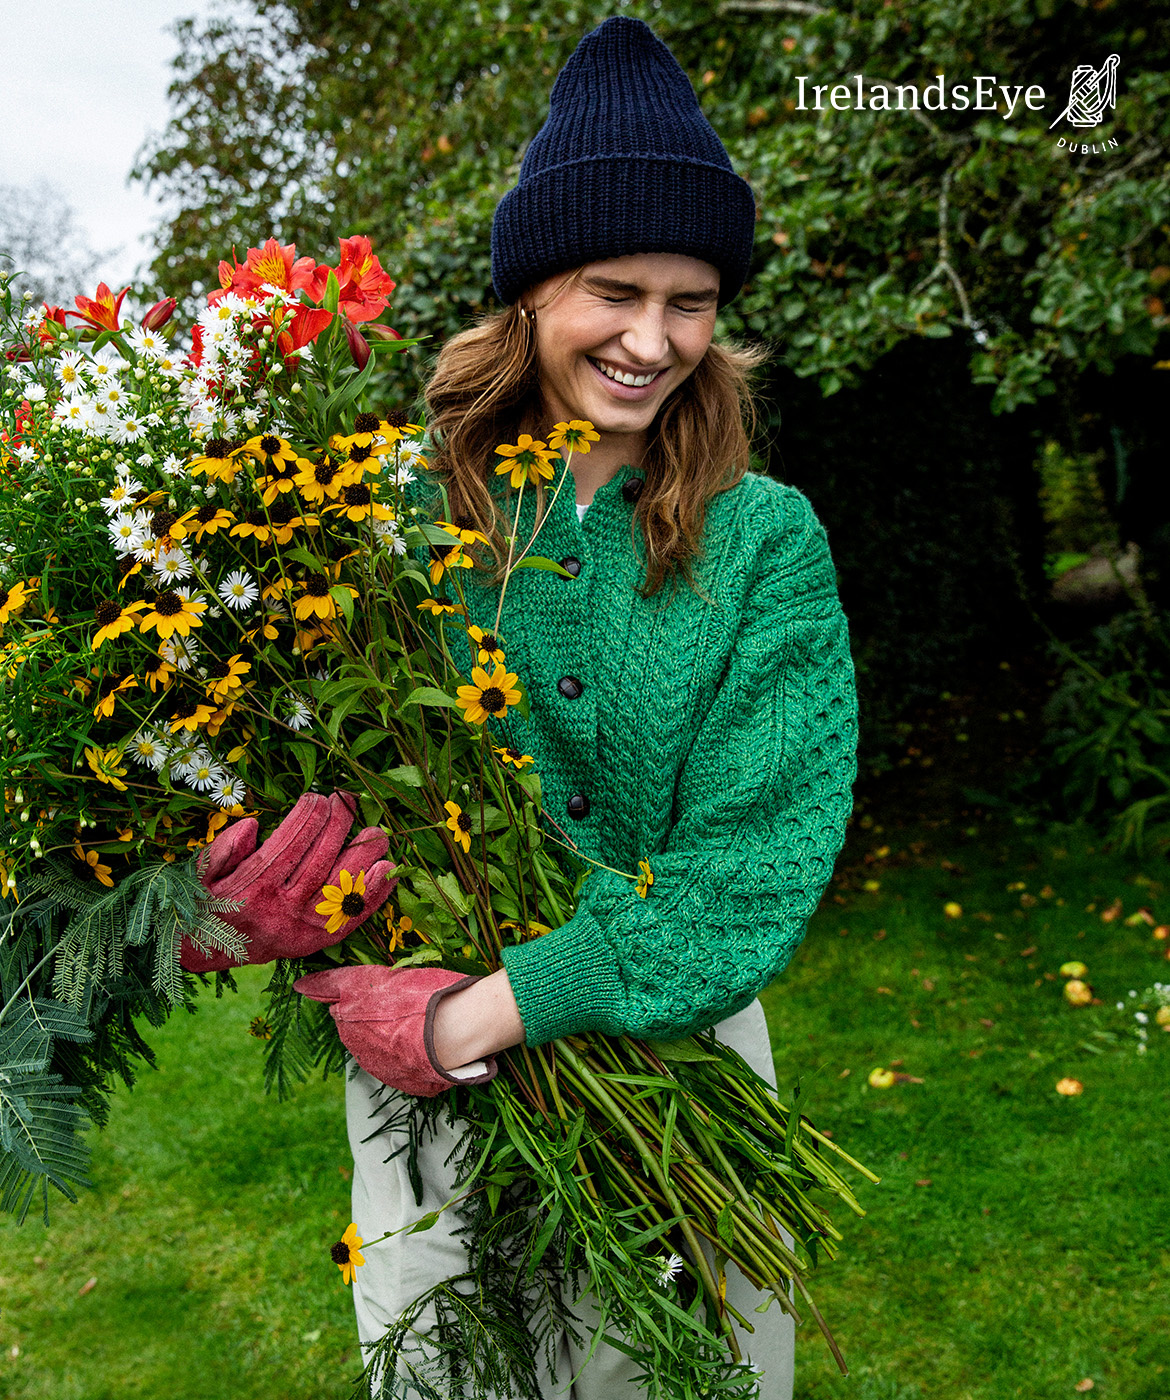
[(636, 381)]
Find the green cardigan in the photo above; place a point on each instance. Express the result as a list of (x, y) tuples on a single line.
[(716, 741)]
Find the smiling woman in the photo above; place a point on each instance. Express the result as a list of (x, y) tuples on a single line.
[(713, 727)]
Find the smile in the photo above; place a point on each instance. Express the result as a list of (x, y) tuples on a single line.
[(634, 381)]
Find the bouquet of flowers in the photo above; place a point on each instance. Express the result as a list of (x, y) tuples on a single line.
[(216, 596)]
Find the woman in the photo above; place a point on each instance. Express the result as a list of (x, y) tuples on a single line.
[(708, 726)]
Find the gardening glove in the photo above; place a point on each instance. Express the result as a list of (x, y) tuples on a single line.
[(280, 883), (386, 1018)]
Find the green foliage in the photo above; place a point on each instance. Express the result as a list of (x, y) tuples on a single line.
[(1108, 736), (74, 971), (873, 226)]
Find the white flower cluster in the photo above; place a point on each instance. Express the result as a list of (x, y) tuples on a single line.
[(100, 390), (187, 762), (228, 346), (1159, 993)]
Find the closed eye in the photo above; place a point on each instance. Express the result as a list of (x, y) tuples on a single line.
[(691, 310)]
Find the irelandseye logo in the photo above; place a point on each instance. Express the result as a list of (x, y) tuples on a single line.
[(1092, 94)]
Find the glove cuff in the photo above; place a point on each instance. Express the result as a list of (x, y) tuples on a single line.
[(484, 1070)]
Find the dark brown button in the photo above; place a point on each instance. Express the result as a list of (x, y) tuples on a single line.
[(572, 563), (578, 806), (632, 488), (570, 687)]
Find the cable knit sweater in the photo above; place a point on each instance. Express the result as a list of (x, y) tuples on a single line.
[(716, 741)]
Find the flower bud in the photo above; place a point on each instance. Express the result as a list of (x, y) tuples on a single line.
[(359, 347), (159, 314)]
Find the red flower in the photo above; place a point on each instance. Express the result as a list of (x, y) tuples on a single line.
[(274, 263), (159, 314), (365, 288), (101, 311), (305, 325)]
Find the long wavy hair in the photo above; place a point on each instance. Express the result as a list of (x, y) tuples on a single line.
[(485, 391)]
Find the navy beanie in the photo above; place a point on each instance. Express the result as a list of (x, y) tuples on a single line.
[(626, 162)]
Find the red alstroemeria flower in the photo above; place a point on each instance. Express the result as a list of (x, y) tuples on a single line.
[(365, 288), (274, 263), (56, 314), (304, 326), (101, 310)]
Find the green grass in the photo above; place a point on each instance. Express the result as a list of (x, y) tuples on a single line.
[(1036, 1257)]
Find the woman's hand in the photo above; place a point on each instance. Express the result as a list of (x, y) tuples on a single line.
[(480, 1020), (280, 883), (386, 1017)]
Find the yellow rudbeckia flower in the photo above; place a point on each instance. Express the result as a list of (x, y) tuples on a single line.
[(488, 695)]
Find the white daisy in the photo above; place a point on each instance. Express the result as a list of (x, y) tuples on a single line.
[(124, 534), (171, 566), (181, 652), (128, 430), (230, 791), (69, 371), (27, 453), (121, 495), (148, 748), (185, 757), (204, 773), (34, 393), (297, 714), (147, 342), (670, 1268), (111, 393), (239, 590)]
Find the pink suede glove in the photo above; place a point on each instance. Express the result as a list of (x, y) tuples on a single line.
[(281, 882), (386, 1018)]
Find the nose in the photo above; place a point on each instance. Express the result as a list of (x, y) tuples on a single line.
[(644, 340)]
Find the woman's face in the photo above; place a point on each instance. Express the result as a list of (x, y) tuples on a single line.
[(646, 314)]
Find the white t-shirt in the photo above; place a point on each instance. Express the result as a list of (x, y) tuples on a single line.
[(581, 509)]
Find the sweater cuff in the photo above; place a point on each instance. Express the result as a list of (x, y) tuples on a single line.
[(566, 982)]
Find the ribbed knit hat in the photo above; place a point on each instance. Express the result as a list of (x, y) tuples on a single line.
[(626, 162)]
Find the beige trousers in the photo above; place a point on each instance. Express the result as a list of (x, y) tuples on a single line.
[(401, 1269)]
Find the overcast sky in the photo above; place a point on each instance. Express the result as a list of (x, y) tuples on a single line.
[(83, 82)]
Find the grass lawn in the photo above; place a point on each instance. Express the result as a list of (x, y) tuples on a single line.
[(1017, 1245)]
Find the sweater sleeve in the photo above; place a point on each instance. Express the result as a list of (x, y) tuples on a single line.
[(759, 820)]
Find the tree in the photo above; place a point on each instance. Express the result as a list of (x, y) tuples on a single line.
[(41, 239)]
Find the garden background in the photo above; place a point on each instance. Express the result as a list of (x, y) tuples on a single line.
[(969, 383)]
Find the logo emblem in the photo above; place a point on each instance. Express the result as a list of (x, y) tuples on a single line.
[(1092, 92)]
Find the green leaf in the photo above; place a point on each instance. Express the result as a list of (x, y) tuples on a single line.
[(681, 1052), (366, 741), (725, 1225), (332, 298), (538, 561), (544, 1236), (306, 757), (426, 1223), (342, 596), (429, 695)]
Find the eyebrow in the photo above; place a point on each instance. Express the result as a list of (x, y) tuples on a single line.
[(611, 284)]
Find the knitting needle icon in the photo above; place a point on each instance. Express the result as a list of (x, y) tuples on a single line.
[(1091, 93)]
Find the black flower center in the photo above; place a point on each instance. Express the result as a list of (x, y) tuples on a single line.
[(3, 596), (185, 709), (366, 423), (107, 612), (396, 418), (340, 1253), (352, 904), (269, 445), (492, 699), (255, 518), (358, 453), (324, 472), (463, 822), (357, 496), (168, 604), (219, 447), (161, 522), (206, 514), (282, 512), (317, 586), (490, 642), (219, 669)]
